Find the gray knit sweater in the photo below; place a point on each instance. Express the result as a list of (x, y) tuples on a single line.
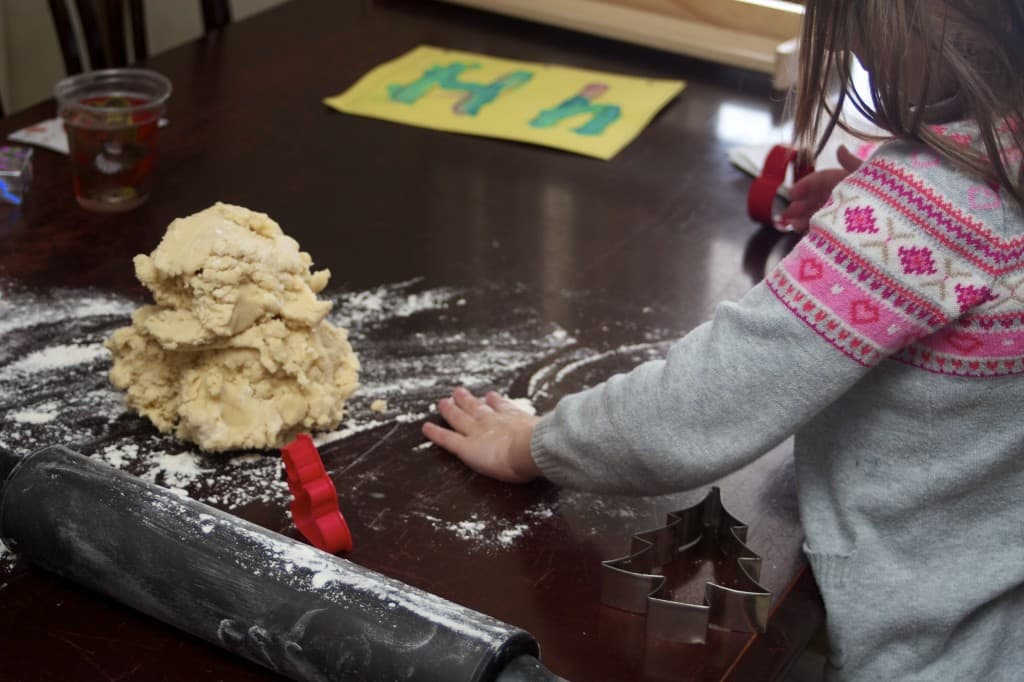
[(891, 342)]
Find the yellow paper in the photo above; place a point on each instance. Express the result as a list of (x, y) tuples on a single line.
[(587, 112)]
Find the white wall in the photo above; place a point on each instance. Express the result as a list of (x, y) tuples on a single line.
[(30, 61)]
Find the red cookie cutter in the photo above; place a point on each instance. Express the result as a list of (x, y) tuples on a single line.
[(761, 197), (314, 499)]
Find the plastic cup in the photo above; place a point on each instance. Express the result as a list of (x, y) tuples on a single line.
[(112, 117)]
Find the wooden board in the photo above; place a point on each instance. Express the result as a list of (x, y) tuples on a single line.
[(776, 19), (752, 34)]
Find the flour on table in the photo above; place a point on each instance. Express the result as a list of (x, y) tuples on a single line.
[(509, 535), (470, 528), (54, 388), (486, 532), (524, 404), (415, 343), (58, 357), (6, 555), (40, 415)]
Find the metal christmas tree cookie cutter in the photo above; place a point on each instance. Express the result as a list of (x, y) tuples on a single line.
[(635, 584)]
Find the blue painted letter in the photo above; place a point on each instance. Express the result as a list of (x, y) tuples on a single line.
[(601, 115), (477, 95)]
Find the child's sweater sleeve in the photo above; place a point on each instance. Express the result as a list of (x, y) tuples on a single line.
[(872, 279)]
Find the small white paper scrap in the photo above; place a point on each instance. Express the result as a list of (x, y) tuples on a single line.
[(49, 133)]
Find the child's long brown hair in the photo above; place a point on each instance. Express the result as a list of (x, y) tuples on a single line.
[(972, 48)]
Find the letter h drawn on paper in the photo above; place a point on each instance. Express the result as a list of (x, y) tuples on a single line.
[(601, 115), (477, 95)]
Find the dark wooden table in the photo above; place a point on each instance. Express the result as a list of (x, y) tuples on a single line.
[(579, 267)]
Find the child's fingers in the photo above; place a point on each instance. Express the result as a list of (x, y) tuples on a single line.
[(799, 225), (795, 209), (498, 402), (788, 226), (801, 188), (456, 417), (446, 438), (848, 159), (793, 219), (467, 401), (814, 188), (800, 210)]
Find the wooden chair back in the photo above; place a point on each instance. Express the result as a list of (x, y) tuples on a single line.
[(106, 28)]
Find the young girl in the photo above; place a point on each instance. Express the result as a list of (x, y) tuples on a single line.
[(890, 341)]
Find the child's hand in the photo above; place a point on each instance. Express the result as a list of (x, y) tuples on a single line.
[(810, 193), (490, 435)]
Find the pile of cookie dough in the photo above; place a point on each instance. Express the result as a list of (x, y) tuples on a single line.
[(236, 352)]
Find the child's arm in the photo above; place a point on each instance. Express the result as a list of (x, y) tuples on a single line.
[(726, 393)]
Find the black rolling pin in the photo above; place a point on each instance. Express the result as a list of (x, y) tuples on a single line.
[(288, 606)]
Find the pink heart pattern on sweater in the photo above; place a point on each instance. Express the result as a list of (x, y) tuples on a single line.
[(983, 198), (863, 312), (924, 160), (810, 269)]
